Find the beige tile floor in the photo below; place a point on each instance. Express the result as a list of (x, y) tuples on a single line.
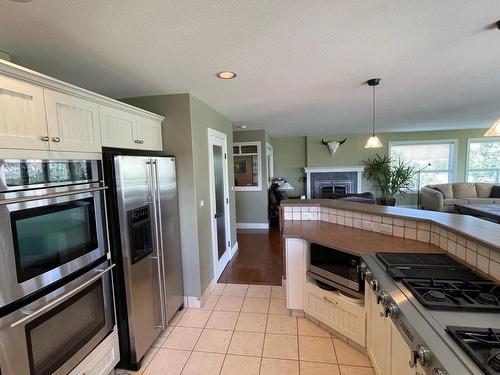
[(246, 330)]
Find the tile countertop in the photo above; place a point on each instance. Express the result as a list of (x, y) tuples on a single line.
[(481, 230), (353, 240)]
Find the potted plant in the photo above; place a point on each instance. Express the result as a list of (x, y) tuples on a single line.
[(391, 177)]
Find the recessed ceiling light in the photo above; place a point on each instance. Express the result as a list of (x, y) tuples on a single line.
[(22, 1), (242, 126), (226, 74)]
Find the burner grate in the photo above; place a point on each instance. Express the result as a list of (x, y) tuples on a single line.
[(481, 344), (455, 294)]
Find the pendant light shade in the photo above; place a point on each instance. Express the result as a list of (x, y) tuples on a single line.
[(494, 131), (373, 141)]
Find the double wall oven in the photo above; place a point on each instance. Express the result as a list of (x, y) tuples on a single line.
[(55, 285)]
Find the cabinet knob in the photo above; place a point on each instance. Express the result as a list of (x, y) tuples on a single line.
[(56, 139), (141, 141), (45, 138)]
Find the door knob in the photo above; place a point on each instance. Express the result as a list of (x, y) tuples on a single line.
[(56, 139)]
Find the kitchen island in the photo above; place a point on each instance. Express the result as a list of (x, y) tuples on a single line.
[(388, 322)]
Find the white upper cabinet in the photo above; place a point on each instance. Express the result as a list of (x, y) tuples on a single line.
[(123, 129), (73, 122), (148, 134), (117, 128), (38, 112), (22, 115)]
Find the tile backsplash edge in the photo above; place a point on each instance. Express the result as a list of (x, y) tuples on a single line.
[(485, 259)]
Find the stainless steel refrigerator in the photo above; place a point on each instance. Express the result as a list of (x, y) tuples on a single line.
[(145, 245)]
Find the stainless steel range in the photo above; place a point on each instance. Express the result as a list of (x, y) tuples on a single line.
[(448, 315)]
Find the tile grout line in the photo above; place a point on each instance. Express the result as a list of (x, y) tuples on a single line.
[(232, 334)]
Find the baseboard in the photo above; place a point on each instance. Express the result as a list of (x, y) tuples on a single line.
[(252, 225), (234, 249)]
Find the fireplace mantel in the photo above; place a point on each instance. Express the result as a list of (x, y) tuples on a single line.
[(313, 170)]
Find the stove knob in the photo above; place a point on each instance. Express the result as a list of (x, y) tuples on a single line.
[(373, 284), (422, 354), (368, 275), (391, 310), (439, 371), (362, 269), (383, 298)]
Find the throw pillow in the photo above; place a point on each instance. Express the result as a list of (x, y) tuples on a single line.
[(464, 190), (444, 189), (495, 192)]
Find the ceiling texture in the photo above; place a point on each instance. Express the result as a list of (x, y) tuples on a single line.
[(301, 64)]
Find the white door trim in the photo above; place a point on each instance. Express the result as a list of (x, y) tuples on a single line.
[(219, 265), (270, 166)]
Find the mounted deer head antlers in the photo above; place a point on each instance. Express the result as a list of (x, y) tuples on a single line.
[(333, 145)]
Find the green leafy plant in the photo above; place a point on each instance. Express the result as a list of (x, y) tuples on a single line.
[(391, 177)]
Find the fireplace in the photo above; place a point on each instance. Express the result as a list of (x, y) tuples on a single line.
[(323, 183)]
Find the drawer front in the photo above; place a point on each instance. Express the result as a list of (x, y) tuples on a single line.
[(346, 318)]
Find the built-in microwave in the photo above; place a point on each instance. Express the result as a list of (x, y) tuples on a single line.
[(336, 268), (52, 223)]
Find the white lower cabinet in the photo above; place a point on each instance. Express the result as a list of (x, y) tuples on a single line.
[(102, 360), (347, 318), (295, 254), (387, 349)]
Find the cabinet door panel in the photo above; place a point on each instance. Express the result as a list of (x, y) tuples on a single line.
[(400, 354), (117, 128), (74, 121), (22, 115), (148, 133), (379, 336)]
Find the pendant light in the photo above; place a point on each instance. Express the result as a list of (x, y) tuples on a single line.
[(373, 141), (494, 131)]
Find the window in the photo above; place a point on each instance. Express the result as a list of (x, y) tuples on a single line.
[(247, 166), (483, 160), (440, 154)]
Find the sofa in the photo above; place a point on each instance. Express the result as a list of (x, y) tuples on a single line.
[(443, 197)]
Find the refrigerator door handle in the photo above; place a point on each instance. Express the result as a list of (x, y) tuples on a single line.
[(160, 231), (152, 183)]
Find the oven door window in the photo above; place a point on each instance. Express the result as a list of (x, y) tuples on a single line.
[(49, 236), (57, 336)]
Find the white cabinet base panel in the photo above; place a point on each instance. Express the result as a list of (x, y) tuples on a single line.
[(102, 360)]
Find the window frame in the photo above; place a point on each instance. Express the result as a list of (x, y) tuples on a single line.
[(259, 164), (467, 157), (452, 172)]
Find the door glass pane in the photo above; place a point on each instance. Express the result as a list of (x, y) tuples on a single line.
[(46, 237), (250, 149), (56, 336), (219, 199)]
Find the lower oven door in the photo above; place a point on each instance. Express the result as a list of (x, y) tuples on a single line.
[(55, 333)]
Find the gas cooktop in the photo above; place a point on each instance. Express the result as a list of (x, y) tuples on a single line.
[(455, 294), (481, 344)]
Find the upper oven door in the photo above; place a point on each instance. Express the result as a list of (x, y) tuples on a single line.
[(46, 234)]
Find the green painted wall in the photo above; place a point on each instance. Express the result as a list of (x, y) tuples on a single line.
[(252, 206), (288, 155), (202, 118), (185, 134), (290, 158)]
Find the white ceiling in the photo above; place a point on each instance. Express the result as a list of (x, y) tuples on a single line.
[(301, 63)]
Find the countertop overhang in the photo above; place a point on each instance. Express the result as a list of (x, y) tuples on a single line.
[(480, 230), (353, 240)]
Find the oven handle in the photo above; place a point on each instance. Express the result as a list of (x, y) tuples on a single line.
[(62, 298), (50, 195)]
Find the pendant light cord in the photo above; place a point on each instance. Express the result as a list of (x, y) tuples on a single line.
[(373, 113)]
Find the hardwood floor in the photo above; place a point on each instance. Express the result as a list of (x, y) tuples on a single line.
[(259, 259)]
